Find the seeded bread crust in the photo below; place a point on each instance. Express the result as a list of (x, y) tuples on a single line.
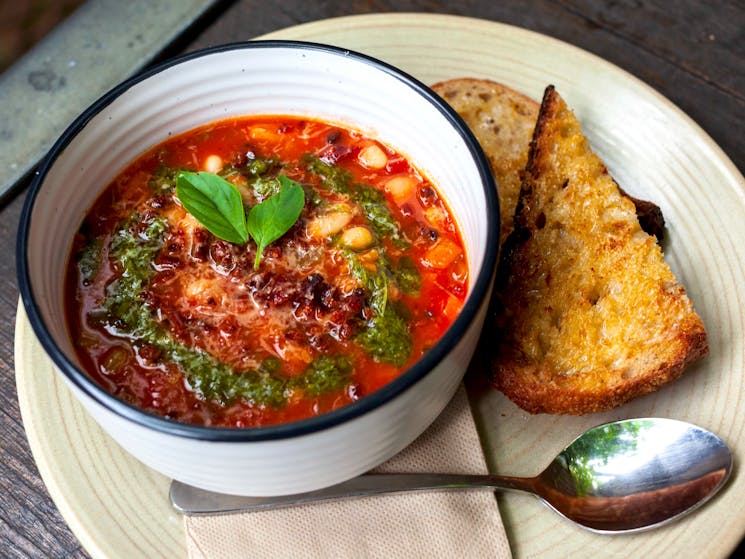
[(588, 314)]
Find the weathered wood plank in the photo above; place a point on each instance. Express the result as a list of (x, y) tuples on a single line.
[(690, 51)]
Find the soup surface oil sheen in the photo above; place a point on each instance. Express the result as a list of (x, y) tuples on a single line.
[(180, 323)]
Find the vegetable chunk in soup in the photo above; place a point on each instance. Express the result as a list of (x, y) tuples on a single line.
[(262, 270)]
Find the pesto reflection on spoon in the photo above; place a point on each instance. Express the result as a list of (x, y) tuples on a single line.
[(626, 476)]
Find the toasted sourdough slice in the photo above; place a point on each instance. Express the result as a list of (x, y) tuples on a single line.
[(503, 120), (591, 315)]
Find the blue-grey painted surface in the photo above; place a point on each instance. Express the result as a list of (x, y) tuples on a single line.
[(99, 45)]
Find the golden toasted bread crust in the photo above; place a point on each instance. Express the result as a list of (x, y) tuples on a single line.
[(589, 315), (502, 121)]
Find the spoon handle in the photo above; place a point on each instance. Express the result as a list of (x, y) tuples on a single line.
[(191, 500)]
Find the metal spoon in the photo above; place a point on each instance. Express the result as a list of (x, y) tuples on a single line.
[(625, 476)]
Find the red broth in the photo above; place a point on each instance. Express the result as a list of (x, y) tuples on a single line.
[(179, 323)]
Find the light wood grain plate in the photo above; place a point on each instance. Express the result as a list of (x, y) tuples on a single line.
[(119, 508)]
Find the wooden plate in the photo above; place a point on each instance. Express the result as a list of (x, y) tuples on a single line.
[(119, 508)]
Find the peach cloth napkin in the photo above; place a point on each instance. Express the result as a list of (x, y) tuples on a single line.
[(426, 524)]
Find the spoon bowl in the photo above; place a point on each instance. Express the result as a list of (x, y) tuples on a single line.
[(620, 477), (635, 474)]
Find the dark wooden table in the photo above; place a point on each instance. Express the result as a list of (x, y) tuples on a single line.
[(693, 52)]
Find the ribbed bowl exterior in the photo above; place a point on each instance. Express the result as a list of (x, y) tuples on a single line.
[(269, 79)]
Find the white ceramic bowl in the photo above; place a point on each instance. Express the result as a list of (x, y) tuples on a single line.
[(262, 78)]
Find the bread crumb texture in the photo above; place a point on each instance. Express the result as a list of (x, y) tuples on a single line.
[(588, 313)]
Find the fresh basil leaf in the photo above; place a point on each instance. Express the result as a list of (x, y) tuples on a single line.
[(271, 219), (215, 203)]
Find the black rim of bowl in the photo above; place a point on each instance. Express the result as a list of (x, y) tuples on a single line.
[(301, 427)]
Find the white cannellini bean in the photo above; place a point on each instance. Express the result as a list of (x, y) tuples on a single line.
[(323, 226), (400, 188), (202, 290), (372, 157), (357, 238), (213, 164)]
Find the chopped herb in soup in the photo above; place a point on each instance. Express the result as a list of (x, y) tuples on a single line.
[(262, 270)]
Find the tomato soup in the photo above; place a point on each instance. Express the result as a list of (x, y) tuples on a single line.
[(315, 308)]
